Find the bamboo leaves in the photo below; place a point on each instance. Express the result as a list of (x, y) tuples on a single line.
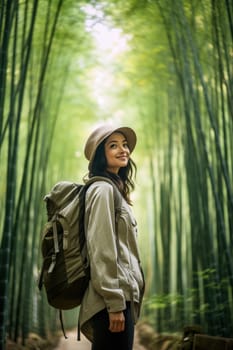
[(23, 186)]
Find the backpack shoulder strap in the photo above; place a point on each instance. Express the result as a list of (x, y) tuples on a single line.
[(116, 193)]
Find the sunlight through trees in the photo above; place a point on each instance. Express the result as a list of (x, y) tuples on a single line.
[(163, 67)]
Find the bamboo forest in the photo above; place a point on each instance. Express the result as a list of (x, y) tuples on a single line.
[(162, 67)]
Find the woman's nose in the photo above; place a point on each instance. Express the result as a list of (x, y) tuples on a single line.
[(124, 150)]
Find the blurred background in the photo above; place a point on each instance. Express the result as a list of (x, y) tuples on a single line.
[(162, 67)]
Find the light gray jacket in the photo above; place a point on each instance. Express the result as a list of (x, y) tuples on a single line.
[(116, 274)]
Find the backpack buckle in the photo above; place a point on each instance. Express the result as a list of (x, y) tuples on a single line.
[(53, 263)]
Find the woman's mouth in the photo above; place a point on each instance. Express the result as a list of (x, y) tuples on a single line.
[(123, 157)]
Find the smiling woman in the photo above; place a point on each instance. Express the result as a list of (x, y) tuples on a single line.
[(112, 302)]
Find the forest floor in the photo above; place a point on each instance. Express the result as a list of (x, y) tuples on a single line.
[(145, 338), (72, 344), (60, 343)]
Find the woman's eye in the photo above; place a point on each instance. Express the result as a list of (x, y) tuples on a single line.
[(114, 145)]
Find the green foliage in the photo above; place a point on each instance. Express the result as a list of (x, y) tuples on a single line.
[(180, 306), (168, 74)]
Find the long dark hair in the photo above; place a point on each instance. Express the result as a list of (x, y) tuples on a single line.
[(124, 178)]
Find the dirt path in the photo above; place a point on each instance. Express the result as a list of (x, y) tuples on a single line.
[(72, 344)]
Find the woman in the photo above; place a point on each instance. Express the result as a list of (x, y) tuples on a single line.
[(112, 301)]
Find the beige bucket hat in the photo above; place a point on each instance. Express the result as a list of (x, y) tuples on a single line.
[(101, 133)]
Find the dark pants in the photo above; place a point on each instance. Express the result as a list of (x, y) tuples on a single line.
[(106, 340)]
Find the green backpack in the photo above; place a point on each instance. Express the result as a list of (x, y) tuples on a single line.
[(65, 269)]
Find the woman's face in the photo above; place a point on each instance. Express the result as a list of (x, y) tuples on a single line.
[(116, 152)]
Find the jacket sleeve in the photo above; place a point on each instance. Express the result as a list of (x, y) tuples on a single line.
[(101, 243)]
